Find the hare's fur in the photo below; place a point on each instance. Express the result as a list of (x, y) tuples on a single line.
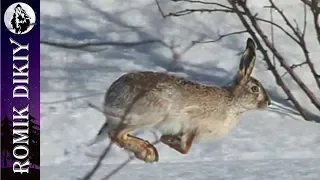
[(174, 105)]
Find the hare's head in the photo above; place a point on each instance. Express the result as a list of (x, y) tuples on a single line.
[(248, 92)]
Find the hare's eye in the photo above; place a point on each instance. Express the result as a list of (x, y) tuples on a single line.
[(255, 89)]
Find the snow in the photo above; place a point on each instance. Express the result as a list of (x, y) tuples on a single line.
[(273, 144), (306, 169)]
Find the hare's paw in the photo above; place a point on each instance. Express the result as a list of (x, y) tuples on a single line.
[(142, 149), (170, 140), (180, 142), (148, 154)]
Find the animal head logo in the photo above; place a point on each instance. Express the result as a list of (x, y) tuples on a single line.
[(19, 18)]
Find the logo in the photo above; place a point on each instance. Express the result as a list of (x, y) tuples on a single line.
[(19, 18)]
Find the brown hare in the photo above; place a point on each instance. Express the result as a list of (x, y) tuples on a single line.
[(183, 111)]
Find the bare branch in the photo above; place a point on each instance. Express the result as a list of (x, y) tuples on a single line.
[(126, 162), (294, 66), (272, 37), (189, 11), (160, 10), (316, 24), (315, 9), (307, 2), (176, 56), (223, 8), (203, 2), (301, 43), (112, 173), (298, 65), (221, 37), (268, 61), (253, 19), (100, 43), (97, 165), (305, 20), (312, 4), (201, 10), (278, 26), (284, 17), (281, 59)]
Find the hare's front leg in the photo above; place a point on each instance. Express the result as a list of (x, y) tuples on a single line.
[(142, 149), (180, 142)]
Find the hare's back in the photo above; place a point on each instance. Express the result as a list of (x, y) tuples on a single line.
[(158, 87), (142, 93), (133, 86)]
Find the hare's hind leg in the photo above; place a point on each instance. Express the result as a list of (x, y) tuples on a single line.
[(180, 142), (142, 149)]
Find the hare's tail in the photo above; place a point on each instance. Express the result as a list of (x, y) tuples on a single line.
[(95, 107), (103, 132), (102, 135)]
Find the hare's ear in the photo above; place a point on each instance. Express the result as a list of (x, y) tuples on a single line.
[(247, 62)]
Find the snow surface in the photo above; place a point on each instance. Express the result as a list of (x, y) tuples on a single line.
[(273, 144)]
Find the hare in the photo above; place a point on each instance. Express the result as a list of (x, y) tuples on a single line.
[(183, 111)]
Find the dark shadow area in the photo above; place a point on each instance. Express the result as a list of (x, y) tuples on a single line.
[(7, 173)]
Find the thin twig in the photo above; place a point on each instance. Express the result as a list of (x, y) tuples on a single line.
[(224, 8), (272, 37), (191, 1), (305, 20), (303, 46), (100, 43), (189, 11), (200, 10), (281, 59), (309, 3), (315, 9), (221, 37), (313, 3), (284, 17), (298, 65), (204, 2), (121, 166), (293, 67), (160, 10), (268, 61), (98, 163), (112, 173)]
